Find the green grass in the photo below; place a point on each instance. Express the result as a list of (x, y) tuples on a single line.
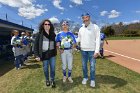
[(122, 38), (110, 78)]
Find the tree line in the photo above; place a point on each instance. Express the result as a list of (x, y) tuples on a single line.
[(121, 29)]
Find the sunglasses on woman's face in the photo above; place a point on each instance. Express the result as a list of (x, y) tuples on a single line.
[(47, 24)]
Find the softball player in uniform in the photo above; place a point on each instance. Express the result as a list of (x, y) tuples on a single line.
[(103, 38)]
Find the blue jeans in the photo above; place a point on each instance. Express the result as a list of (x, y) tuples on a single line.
[(46, 64), (18, 61), (88, 56)]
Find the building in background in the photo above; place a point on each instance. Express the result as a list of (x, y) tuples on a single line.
[(6, 28)]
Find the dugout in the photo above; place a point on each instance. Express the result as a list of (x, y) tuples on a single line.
[(6, 28)]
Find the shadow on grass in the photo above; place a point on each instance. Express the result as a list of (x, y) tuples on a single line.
[(100, 79), (32, 66), (68, 86), (5, 67), (108, 56), (107, 79)]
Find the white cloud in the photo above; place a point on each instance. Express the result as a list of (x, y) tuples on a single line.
[(126, 23), (68, 19), (26, 8), (40, 6), (79, 17), (130, 22), (114, 14), (30, 12), (54, 20), (78, 2), (137, 11), (134, 21), (17, 3), (35, 31), (57, 3), (111, 14), (103, 13), (70, 6), (61, 13)]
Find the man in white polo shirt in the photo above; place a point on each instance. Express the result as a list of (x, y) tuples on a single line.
[(89, 38)]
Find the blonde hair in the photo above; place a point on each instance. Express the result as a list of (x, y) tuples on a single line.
[(13, 32)]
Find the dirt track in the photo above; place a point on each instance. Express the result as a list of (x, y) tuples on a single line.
[(124, 52)]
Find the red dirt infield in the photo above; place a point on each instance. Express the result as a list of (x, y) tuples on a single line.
[(124, 52)]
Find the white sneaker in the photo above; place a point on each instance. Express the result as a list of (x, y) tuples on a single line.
[(17, 68), (70, 80), (92, 83), (64, 79), (84, 81)]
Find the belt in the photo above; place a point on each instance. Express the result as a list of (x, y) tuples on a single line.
[(66, 48)]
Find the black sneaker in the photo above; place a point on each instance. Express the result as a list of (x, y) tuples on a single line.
[(53, 84), (47, 83)]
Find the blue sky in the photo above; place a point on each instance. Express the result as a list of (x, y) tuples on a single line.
[(103, 12)]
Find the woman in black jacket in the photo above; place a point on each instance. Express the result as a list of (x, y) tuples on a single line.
[(45, 50)]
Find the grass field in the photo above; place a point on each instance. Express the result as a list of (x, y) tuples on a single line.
[(110, 78)]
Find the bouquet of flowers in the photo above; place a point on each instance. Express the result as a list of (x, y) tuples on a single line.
[(66, 42), (17, 42)]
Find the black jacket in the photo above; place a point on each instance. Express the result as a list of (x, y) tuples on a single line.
[(38, 46)]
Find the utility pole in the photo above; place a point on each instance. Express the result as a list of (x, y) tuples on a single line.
[(22, 22), (6, 17)]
